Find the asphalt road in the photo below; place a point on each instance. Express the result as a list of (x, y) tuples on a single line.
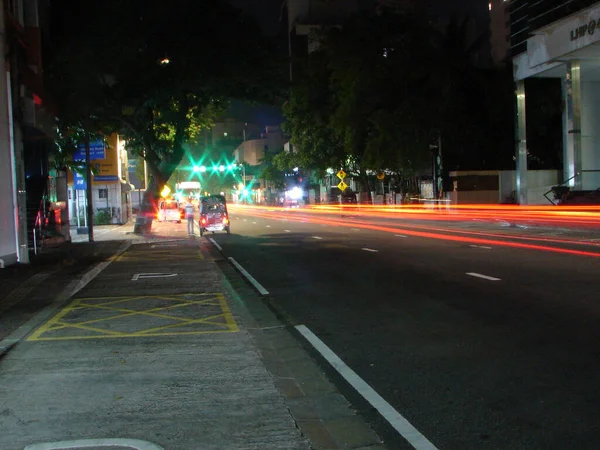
[(481, 338)]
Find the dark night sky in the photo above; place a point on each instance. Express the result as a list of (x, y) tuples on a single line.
[(269, 11)]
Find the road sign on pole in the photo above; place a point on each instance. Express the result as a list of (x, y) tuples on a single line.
[(341, 175), (342, 186)]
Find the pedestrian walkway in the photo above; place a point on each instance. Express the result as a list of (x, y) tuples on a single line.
[(160, 351)]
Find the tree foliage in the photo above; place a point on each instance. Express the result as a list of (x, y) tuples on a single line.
[(380, 90), (158, 72)]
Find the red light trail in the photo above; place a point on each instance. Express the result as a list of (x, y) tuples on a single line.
[(587, 218)]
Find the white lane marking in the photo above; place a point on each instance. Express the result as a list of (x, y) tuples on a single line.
[(369, 250), (400, 235), (216, 244), (480, 246), (287, 231), (268, 226), (249, 277), (139, 276), (245, 220), (135, 444), (355, 229), (395, 419), (163, 245), (254, 222), (485, 277), (317, 237)]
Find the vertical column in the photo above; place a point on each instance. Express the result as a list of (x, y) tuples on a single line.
[(572, 125), (521, 144)]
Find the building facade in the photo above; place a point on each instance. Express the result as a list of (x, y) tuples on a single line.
[(559, 39), (499, 31), (111, 190), (27, 182)]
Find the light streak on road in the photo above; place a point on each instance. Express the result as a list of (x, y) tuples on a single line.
[(572, 216), (472, 238)]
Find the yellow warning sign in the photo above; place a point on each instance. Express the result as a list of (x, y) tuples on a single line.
[(342, 186), (341, 175)]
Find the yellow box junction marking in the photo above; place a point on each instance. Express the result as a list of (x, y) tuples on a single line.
[(139, 316)]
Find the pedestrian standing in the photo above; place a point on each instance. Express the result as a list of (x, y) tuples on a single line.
[(189, 214)]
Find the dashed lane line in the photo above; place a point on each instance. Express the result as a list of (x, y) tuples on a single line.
[(400, 235), (317, 237), (480, 246), (485, 277), (287, 231), (387, 411), (370, 250), (216, 244), (259, 287)]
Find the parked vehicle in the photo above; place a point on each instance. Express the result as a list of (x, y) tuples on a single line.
[(168, 211), (213, 214)]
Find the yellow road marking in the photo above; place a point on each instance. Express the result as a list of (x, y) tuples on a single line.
[(205, 303)]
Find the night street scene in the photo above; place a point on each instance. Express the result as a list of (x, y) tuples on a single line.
[(300, 225)]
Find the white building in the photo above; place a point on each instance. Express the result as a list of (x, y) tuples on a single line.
[(551, 41)]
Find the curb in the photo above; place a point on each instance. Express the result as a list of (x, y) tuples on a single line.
[(64, 296)]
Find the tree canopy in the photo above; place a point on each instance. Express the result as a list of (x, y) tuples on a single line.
[(380, 89), (158, 72)]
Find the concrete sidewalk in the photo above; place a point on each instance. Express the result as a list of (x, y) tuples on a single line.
[(159, 350)]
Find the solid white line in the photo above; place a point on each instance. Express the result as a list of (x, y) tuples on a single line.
[(369, 250), (250, 278), (399, 235), (317, 237), (485, 277), (395, 419), (216, 244), (480, 246)]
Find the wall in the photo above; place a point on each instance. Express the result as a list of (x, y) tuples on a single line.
[(590, 145), (474, 197), (8, 240)]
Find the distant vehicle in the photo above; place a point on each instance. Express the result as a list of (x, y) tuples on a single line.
[(213, 214), (168, 211)]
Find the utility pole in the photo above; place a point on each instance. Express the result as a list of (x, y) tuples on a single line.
[(88, 188)]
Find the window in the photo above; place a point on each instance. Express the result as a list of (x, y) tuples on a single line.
[(102, 193)]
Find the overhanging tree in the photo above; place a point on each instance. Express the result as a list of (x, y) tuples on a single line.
[(171, 67)]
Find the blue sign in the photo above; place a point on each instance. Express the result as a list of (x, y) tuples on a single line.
[(96, 151), (79, 182)]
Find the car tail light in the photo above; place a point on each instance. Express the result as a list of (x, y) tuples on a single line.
[(203, 221), (225, 220)]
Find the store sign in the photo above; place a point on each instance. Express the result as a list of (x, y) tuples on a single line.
[(581, 31), (97, 151)]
